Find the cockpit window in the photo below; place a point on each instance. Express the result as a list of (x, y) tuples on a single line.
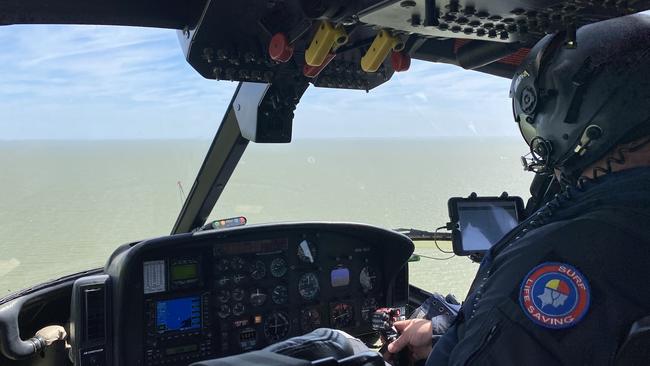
[(98, 125), (390, 158), (392, 183), (106, 128)]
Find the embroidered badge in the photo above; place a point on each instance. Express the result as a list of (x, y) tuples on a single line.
[(555, 295)]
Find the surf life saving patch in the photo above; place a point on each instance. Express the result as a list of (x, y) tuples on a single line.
[(555, 295)]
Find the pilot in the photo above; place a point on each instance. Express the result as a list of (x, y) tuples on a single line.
[(566, 285)]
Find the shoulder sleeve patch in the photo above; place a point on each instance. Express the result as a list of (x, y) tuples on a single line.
[(555, 295)]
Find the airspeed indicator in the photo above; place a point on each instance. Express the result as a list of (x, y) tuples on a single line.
[(278, 267)]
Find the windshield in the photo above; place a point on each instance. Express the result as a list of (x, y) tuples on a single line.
[(104, 130), (392, 183), (98, 126), (390, 158)]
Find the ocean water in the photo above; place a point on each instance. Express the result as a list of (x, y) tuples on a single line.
[(66, 205)]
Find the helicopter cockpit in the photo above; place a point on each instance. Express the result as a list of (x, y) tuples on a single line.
[(213, 289)]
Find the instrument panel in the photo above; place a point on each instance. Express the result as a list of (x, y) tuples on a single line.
[(192, 297)]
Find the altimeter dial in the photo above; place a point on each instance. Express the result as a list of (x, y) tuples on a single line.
[(280, 295)]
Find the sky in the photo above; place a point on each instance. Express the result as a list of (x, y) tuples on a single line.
[(95, 82)]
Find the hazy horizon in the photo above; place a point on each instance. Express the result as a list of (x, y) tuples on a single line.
[(314, 138), (72, 204)]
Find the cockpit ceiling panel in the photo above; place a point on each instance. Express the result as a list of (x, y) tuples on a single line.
[(171, 14), (269, 40)]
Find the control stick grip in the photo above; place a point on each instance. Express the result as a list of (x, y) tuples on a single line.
[(12, 346), (51, 334)]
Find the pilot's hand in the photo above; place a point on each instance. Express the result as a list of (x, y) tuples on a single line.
[(414, 334)]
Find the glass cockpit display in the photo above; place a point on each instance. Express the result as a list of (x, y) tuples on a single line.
[(184, 272), (340, 277), (178, 314)]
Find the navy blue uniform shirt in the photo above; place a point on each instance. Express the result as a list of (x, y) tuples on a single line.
[(564, 287)]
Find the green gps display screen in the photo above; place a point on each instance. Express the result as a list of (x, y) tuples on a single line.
[(182, 272)]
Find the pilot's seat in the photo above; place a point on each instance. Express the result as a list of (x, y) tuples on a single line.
[(322, 347)]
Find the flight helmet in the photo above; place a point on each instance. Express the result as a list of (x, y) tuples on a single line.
[(574, 102)]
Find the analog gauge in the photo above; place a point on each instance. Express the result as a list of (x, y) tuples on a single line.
[(368, 308), (309, 319), (238, 278), (238, 309), (258, 270), (308, 286), (238, 294), (280, 295), (224, 296), (368, 278), (276, 327), (222, 265), (342, 315), (258, 297), (224, 311), (237, 264), (223, 281), (278, 267), (307, 252)]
